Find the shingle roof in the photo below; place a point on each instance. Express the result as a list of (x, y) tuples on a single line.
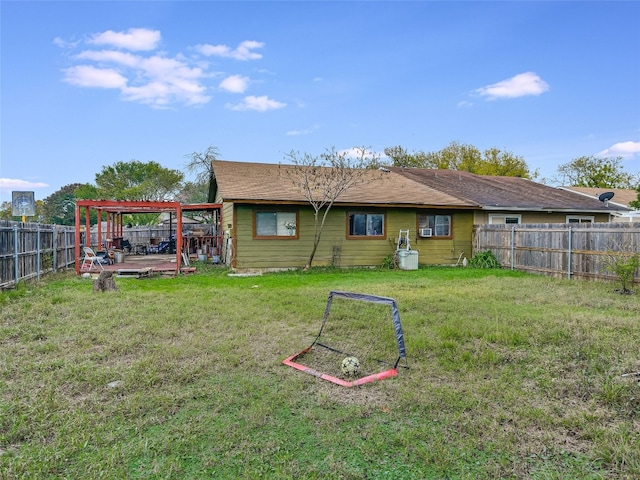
[(492, 192), (621, 196), (268, 182), (243, 181)]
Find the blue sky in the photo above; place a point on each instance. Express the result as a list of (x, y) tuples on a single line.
[(88, 84)]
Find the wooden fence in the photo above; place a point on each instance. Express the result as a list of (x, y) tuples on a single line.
[(30, 250), (564, 250)]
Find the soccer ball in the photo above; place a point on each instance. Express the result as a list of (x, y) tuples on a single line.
[(350, 366)]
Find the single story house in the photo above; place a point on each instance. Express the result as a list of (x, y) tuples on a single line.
[(268, 223)]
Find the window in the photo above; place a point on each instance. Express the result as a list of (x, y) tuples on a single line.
[(270, 224), (502, 218), (440, 225), (579, 219), (366, 225)]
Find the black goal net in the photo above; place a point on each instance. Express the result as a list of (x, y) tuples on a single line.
[(363, 328)]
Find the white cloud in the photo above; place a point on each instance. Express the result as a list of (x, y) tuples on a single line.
[(169, 69), (134, 39), (60, 42), (622, 149), (110, 56), (234, 84), (521, 85), (14, 184), (306, 131), (260, 104), (155, 78), (244, 51), (161, 94), (357, 152), (89, 76)]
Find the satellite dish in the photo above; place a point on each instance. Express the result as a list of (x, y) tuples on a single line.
[(605, 197)]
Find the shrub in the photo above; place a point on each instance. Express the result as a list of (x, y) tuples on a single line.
[(624, 265), (484, 260), (390, 262)]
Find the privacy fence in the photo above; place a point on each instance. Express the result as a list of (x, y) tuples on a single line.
[(30, 250), (564, 250)]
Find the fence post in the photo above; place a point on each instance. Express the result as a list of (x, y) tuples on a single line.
[(513, 247), (54, 264), (570, 239), (66, 250), (39, 254), (16, 271)]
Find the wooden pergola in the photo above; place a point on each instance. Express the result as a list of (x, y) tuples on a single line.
[(115, 209)]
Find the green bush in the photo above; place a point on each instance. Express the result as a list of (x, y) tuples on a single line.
[(484, 260), (624, 266), (390, 261)]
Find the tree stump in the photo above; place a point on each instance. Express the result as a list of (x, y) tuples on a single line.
[(104, 282)]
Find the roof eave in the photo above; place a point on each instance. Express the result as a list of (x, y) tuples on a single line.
[(549, 209), (253, 201)]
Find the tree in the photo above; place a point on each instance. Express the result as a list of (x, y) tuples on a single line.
[(194, 192), (636, 203), (457, 156), (200, 164), (596, 172), (136, 180), (86, 191), (6, 212), (60, 206), (323, 179)]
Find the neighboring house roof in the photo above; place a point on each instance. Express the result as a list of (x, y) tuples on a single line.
[(503, 193), (621, 197), (268, 182), (245, 182)]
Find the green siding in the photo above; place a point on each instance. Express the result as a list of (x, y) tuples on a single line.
[(285, 253), (434, 251)]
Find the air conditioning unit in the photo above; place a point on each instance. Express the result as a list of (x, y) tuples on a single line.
[(426, 232)]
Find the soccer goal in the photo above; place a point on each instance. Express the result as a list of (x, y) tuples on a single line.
[(360, 341)]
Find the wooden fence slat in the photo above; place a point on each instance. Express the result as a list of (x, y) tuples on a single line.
[(30, 250), (569, 250)]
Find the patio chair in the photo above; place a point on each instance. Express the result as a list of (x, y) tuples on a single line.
[(125, 245), (90, 259)]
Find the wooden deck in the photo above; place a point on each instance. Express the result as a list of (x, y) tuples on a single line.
[(143, 266)]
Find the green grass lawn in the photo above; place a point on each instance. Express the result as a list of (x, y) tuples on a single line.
[(510, 376)]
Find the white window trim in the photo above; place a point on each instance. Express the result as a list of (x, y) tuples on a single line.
[(581, 218), (504, 216)]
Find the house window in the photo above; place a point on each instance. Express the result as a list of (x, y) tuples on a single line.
[(579, 219), (273, 224), (502, 219), (440, 225), (366, 225)]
